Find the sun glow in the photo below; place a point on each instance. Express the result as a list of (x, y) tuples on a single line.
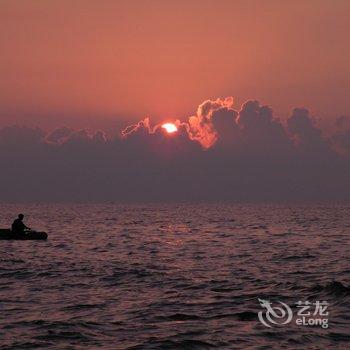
[(169, 127)]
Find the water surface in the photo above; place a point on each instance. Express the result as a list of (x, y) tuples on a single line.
[(172, 276)]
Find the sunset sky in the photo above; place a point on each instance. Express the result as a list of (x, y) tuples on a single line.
[(174, 100), (100, 64)]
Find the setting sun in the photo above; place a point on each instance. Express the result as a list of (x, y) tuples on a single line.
[(169, 127)]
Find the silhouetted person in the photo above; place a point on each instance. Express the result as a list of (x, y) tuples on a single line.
[(18, 225)]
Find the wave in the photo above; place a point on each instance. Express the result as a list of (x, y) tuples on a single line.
[(189, 344), (332, 288)]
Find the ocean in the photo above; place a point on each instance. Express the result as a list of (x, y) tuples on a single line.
[(114, 276)]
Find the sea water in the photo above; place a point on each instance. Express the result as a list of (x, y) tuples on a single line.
[(114, 276)]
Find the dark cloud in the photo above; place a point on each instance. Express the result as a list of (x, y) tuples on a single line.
[(218, 154), (59, 135), (201, 127), (307, 136), (20, 136), (343, 122), (341, 138)]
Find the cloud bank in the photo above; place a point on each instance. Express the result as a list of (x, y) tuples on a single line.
[(218, 154)]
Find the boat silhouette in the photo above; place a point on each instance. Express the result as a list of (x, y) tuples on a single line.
[(7, 234)]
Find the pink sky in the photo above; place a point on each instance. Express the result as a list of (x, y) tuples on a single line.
[(93, 63)]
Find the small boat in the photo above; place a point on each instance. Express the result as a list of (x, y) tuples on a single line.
[(27, 235)]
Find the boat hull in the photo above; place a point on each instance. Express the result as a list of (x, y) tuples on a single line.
[(6, 234)]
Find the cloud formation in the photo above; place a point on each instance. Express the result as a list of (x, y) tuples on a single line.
[(220, 153)]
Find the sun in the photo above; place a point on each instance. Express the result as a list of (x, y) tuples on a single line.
[(169, 127)]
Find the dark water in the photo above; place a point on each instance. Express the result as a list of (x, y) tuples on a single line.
[(173, 276)]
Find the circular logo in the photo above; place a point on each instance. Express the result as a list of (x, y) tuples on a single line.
[(274, 315)]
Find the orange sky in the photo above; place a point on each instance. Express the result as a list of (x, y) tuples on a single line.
[(93, 63)]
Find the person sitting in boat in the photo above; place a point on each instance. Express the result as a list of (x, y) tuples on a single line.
[(18, 225)]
